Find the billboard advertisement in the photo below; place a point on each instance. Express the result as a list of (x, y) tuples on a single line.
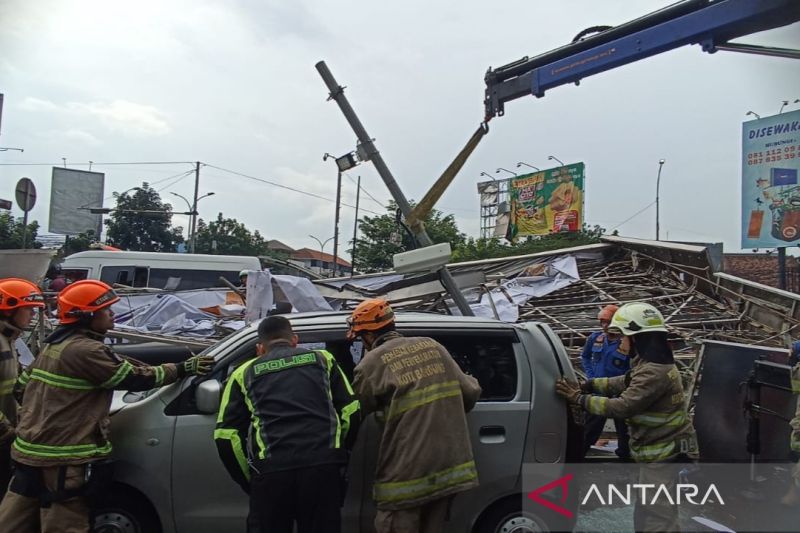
[(549, 201), (770, 186), (71, 194)]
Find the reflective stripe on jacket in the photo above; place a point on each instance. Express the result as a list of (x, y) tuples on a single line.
[(290, 408), (64, 416), (652, 402), (425, 451), (9, 370)]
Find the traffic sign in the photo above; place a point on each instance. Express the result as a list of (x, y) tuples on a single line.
[(6, 204), (26, 194)]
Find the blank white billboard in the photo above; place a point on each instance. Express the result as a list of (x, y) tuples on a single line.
[(71, 194)]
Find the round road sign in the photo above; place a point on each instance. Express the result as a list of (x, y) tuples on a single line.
[(26, 194)]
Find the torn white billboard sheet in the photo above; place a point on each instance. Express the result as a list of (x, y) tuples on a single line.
[(259, 295), (301, 293)]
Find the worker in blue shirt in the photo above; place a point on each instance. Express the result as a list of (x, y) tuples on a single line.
[(605, 355)]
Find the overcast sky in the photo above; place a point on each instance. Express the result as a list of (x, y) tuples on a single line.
[(233, 84)]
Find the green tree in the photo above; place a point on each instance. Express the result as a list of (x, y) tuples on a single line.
[(78, 243), (474, 249), (381, 237), (143, 222), (11, 232), (231, 238)]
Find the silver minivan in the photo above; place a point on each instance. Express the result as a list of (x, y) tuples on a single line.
[(168, 477)]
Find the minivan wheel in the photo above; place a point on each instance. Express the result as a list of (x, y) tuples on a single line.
[(508, 517), (125, 511)]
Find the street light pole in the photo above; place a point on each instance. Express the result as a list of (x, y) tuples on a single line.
[(321, 248), (355, 230), (658, 186), (193, 217), (193, 223)]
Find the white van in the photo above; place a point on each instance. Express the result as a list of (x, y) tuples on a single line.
[(157, 270)]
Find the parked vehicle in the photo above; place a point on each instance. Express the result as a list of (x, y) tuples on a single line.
[(157, 270), (168, 477)]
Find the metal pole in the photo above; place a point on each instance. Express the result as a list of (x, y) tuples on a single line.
[(782, 268), (337, 94), (193, 222), (658, 186), (24, 230), (336, 224), (355, 229)]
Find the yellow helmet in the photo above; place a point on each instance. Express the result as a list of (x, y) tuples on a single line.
[(637, 317)]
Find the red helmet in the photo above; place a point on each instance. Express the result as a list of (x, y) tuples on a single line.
[(82, 298), (369, 315), (16, 293), (607, 312)]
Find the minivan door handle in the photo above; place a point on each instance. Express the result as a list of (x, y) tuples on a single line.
[(492, 434)]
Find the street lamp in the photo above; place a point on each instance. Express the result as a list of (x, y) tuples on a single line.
[(753, 113), (193, 223), (321, 248), (554, 158), (343, 164), (527, 165), (658, 185), (504, 170), (488, 176)]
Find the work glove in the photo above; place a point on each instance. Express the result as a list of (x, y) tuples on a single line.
[(569, 390), (199, 365)]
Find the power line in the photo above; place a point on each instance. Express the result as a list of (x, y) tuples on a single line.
[(282, 186), (94, 163), (639, 212), (365, 191)]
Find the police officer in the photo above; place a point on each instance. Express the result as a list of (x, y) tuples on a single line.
[(18, 299), (63, 428), (605, 355), (651, 398), (286, 422)]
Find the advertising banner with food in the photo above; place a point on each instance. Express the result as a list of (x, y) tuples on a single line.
[(770, 188), (549, 201)]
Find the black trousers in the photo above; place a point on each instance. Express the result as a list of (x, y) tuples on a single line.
[(311, 497), (593, 427), (5, 468)]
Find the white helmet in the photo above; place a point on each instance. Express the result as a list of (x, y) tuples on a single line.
[(243, 273), (637, 317)]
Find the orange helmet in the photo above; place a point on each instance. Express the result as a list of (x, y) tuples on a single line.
[(369, 315), (82, 298), (17, 292), (607, 312)]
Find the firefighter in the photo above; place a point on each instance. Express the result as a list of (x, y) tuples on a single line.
[(792, 498), (421, 397), (61, 448), (605, 355), (290, 416), (18, 299), (650, 398)]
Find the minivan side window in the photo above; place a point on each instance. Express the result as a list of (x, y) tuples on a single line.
[(488, 359)]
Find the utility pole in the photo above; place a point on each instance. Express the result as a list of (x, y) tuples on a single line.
[(193, 223), (372, 153), (355, 230), (336, 223), (782, 267), (658, 185)]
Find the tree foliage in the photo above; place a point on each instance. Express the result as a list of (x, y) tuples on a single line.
[(381, 237), (131, 229), (78, 243), (474, 249), (231, 236), (11, 232)]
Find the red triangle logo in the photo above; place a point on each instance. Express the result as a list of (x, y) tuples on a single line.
[(563, 482)]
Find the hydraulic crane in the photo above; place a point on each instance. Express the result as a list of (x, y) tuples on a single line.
[(710, 23)]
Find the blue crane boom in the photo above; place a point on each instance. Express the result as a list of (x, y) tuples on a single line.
[(709, 23)]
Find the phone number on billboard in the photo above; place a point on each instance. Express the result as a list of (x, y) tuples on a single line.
[(774, 155)]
